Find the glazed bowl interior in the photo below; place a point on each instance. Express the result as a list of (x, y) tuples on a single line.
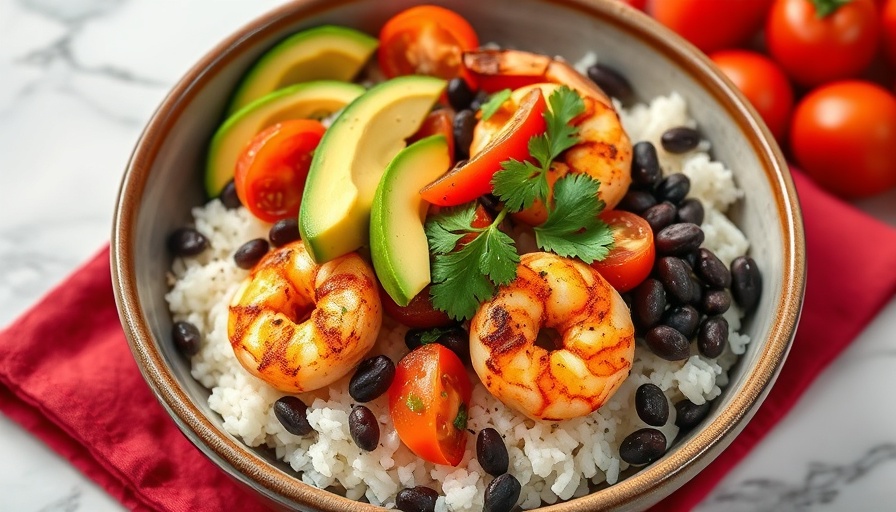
[(164, 181)]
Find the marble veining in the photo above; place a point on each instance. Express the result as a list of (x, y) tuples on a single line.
[(78, 81), (821, 485)]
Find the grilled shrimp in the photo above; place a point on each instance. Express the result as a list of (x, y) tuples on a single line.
[(593, 354), (300, 326), (604, 151)]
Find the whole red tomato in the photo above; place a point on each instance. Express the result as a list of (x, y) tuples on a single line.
[(888, 28), (844, 134), (814, 46), (711, 24), (763, 83)]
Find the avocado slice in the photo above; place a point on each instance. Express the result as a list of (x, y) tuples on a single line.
[(350, 160), (302, 101), (398, 243), (321, 53)]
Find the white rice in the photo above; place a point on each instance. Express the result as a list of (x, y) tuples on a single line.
[(553, 461)]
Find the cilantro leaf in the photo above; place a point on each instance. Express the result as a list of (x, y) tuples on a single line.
[(573, 228), (445, 230), (519, 184), (565, 104), (463, 278), (494, 103)]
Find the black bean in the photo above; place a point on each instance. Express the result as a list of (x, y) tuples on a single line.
[(659, 215), (691, 210), (372, 378), (228, 196), (628, 298), (416, 499), (690, 259), (612, 82), (673, 188), (668, 343), (490, 202), (697, 290), (688, 414), (251, 253), (648, 303), (284, 231), (480, 98), (675, 276), (636, 201), (646, 172), (713, 336), (458, 341), (459, 94), (292, 414), (684, 319), (679, 239), (643, 446), (746, 282), (453, 337), (502, 493), (651, 405), (464, 122), (187, 242), (715, 301), (711, 269), (186, 338), (680, 139), (364, 427), (491, 452)]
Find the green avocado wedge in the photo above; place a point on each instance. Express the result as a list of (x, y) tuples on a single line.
[(398, 245), (322, 53), (334, 218), (302, 101)]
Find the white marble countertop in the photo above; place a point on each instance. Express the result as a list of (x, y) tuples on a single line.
[(79, 78)]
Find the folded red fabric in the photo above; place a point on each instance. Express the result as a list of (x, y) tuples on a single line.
[(67, 376)]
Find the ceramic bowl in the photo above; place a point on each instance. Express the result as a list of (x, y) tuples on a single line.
[(164, 180)]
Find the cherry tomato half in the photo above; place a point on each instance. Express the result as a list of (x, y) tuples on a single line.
[(815, 49), (428, 400), (843, 135), (473, 179), (271, 171), (438, 122), (419, 313), (711, 24), (426, 40), (631, 258), (888, 28), (763, 83)]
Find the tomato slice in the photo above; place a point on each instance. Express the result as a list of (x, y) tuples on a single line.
[(631, 258), (271, 171), (426, 40), (474, 178), (428, 400), (419, 313), (438, 122)]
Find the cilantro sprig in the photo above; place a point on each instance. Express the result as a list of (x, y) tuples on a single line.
[(494, 103), (572, 228), (464, 278)]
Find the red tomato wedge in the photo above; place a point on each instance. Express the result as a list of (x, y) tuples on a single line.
[(428, 400), (438, 122), (271, 171), (419, 313), (631, 258), (474, 178), (426, 40)]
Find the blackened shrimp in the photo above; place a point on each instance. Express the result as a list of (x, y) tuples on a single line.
[(594, 352)]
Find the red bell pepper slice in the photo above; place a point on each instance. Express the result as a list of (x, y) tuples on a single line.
[(466, 182)]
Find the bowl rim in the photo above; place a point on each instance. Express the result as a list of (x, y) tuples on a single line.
[(640, 490)]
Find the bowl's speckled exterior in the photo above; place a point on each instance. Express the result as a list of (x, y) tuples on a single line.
[(164, 180)]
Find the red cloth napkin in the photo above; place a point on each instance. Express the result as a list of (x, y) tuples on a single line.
[(66, 373)]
